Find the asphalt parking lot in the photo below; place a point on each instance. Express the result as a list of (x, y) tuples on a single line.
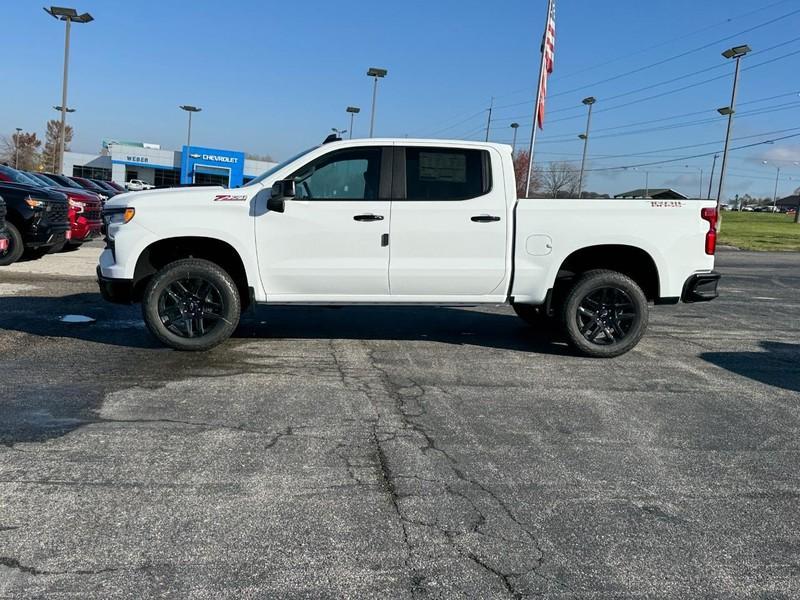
[(384, 452)]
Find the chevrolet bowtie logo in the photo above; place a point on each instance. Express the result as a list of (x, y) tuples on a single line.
[(194, 156)]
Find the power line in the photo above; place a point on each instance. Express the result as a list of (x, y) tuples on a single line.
[(660, 162), (662, 61)]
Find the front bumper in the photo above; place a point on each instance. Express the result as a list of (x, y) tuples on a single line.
[(84, 230), (118, 291), (701, 287)]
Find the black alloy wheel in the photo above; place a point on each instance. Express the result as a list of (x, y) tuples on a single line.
[(605, 314), (190, 307), (191, 304)]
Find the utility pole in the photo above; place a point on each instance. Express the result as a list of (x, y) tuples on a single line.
[(489, 120), (711, 179)]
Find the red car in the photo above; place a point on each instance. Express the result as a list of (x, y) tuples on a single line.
[(85, 208)]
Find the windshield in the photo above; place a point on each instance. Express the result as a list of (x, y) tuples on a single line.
[(276, 168), (20, 177)]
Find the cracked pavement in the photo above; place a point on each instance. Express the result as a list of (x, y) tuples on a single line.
[(403, 453)]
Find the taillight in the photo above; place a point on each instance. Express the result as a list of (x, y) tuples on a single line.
[(712, 216)]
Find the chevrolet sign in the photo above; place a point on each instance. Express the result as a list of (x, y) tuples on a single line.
[(216, 158)]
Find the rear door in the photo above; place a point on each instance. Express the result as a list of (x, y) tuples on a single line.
[(331, 241), (449, 229)]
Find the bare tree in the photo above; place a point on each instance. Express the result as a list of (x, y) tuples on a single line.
[(521, 160), (21, 150), (50, 153), (560, 180)]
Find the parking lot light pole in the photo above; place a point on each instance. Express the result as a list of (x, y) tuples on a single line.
[(55, 154), (514, 126), (737, 52), (68, 15), (376, 74), (190, 109), (585, 137), (353, 110), (16, 148)]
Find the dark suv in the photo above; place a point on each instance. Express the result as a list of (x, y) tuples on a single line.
[(36, 220)]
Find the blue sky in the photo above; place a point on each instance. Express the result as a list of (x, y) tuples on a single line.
[(274, 77)]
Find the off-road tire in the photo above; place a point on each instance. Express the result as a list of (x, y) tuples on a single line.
[(626, 298), (15, 246), (191, 269)]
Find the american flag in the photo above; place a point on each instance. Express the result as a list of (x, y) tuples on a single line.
[(548, 50)]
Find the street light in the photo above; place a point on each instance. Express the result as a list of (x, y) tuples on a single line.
[(339, 132), (585, 137), (700, 197), (514, 126), (16, 148), (67, 15), (190, 109), (375, 73), (353, 110), (737, 52)]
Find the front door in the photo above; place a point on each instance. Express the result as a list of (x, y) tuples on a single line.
[(449, 226), (331, 241)]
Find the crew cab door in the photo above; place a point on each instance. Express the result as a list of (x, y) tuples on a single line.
[(331, 239), (449, 224)]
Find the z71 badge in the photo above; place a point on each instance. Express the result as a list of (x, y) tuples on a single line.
[(230, 198)]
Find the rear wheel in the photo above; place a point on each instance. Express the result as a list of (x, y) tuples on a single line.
[(191, 304), (15, 246), (605, 314)]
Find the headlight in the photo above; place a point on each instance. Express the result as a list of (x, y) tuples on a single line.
[(34, 203), (118, 216), (78, 206)]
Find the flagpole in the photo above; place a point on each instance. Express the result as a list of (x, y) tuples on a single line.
[(536, 103)]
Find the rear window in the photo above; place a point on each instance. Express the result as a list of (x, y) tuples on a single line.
[(446, 173)]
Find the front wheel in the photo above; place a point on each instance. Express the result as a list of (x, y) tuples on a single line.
[(605, 314), (192, 305), (15, 246)]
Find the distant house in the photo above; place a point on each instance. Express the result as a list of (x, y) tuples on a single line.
[(653, 194)]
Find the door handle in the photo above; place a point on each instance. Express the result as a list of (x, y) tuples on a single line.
[(485, 218), (368, 217)]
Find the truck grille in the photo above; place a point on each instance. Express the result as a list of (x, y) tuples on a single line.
[(57, 212), (92, 214)]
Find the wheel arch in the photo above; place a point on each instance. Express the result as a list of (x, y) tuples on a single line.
[(632, 261), (164, 251)]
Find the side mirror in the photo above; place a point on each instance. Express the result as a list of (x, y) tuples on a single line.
[(281, 190)]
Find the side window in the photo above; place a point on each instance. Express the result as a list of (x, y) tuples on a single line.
[(446, 174), (346, 175)]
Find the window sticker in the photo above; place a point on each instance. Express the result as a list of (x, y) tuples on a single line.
[(438, 166)]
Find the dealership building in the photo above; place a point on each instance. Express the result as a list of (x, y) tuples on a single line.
[(122, 161)]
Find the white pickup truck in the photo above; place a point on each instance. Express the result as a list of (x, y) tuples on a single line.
[(399, 221), (137, 185)]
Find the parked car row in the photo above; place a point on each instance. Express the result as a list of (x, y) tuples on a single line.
[(45, 213)]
